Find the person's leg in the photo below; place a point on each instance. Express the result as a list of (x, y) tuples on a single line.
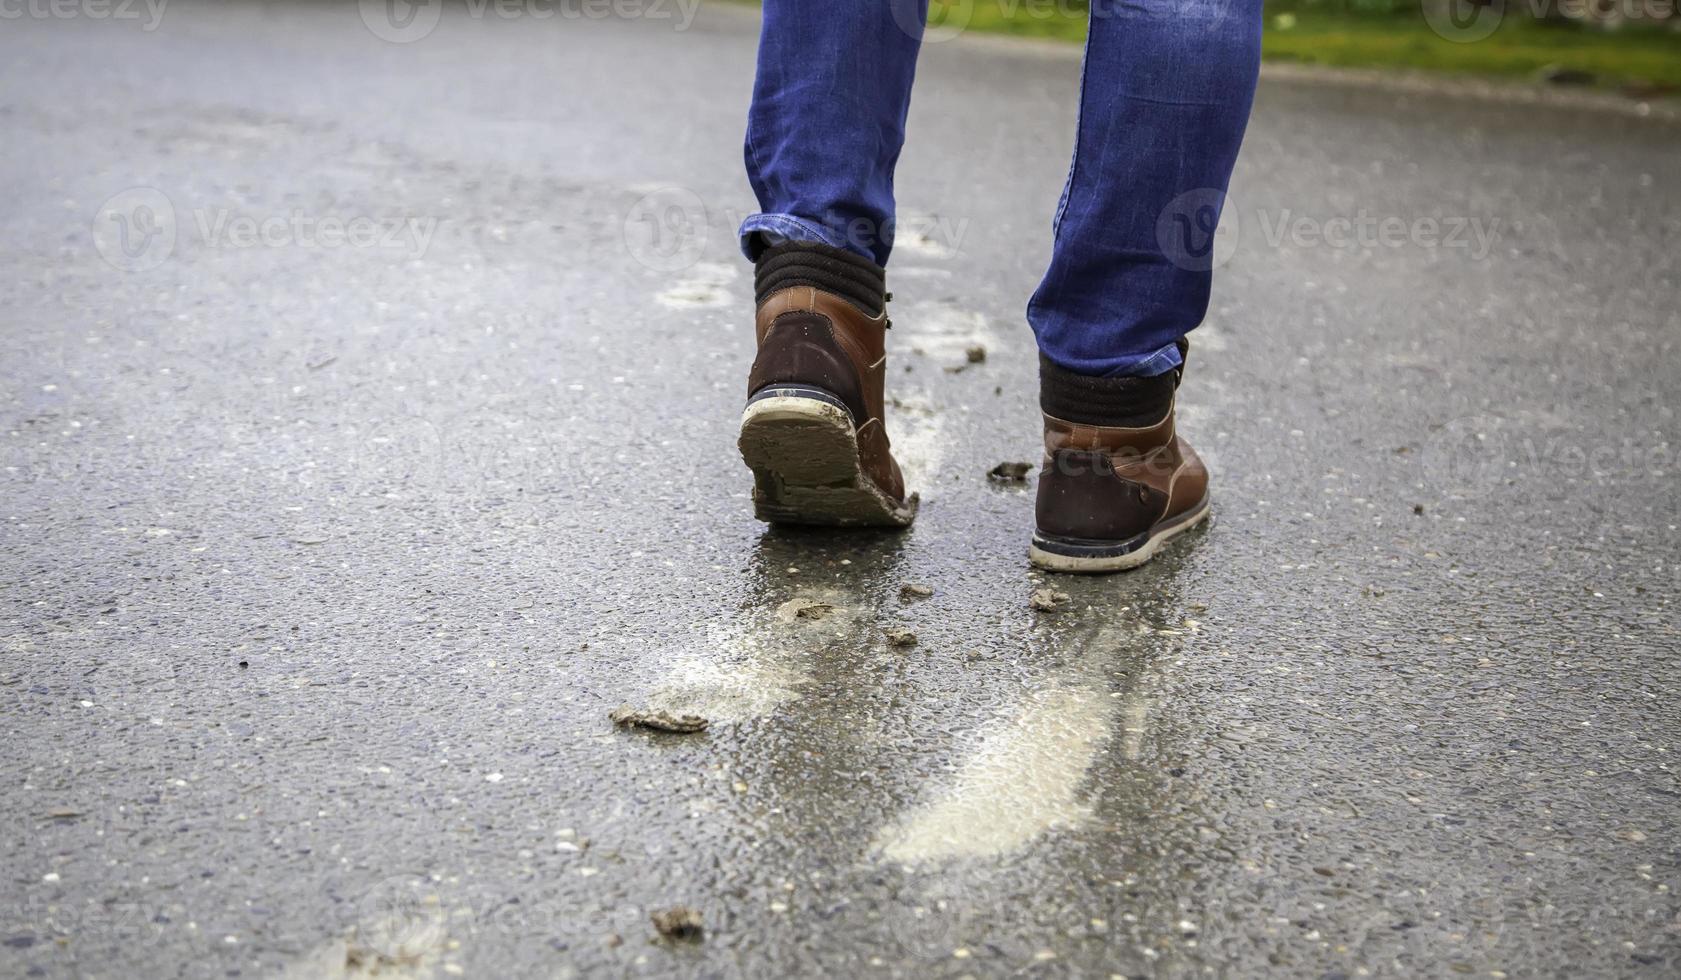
[(823, 136), (827, 121), (1164, 101)]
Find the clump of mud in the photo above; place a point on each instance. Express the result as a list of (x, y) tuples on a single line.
[(678, 923), (359, 960), (915, 590), (808, 609), (900, 637), (1047, 600), (1009, 472), (658, 721)]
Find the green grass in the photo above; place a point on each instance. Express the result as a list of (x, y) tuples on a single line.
[(1317, 32)]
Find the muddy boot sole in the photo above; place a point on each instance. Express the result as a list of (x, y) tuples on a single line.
[(1056, 554), (803, 451)]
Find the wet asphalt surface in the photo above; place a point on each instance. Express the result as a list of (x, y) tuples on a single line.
[(324, 561)]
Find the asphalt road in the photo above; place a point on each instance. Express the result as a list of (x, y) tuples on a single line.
[(366, 435)]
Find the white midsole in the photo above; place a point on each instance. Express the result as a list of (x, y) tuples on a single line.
[(1052, 562)]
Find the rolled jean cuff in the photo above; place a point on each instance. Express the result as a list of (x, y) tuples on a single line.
[(788, 227), (1152, 364), (1146, 365)]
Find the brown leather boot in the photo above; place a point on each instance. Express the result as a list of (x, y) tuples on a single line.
[(812, 431), (1118, 485)]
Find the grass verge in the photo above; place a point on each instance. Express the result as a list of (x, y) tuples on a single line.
[(1334, 33)]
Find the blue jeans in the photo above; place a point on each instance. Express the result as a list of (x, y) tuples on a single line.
[(1165, 95)]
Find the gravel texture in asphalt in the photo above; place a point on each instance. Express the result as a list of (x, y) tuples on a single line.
[(367, 420)]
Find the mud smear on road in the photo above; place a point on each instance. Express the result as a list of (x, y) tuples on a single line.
[(1021, 781), (733, 677), (918, 440), (706, 287), (1029, 771), (399, 944), (749, 665), (802, 607), (947, 335)]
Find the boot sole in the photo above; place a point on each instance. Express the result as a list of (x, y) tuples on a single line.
[(803, 451), (1097, 557)]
